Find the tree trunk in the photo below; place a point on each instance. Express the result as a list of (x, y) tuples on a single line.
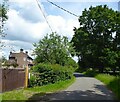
[(114, 69), (101, 69)]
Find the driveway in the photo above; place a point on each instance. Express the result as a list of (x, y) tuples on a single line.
[(84, 88)]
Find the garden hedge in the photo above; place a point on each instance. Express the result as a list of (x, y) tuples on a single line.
[(43, 74)]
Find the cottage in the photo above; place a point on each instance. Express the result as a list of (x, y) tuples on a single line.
[(21, 58)]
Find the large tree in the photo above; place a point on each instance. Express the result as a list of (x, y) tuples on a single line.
[(53, 49), (98, 37)]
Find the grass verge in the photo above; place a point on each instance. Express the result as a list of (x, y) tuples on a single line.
[(0, 97), (53, 87), (112, 82), (25, 94)]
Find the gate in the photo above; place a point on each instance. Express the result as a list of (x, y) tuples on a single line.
[(11, 79)]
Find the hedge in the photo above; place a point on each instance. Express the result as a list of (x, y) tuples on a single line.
[(43, 74)]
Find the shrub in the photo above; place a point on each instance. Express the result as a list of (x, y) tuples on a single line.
[(43, 74), (90, 72)]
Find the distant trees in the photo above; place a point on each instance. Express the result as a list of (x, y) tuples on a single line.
[(2, 60), (6, 63), (54, 49), (97, 40)]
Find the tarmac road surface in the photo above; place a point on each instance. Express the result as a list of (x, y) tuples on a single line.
[(84, 88)]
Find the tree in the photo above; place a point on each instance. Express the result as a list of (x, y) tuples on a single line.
[(71, 62), (111, 59), (3, 18), (53, 49), (99, 30), (3, 15), (2, 60)]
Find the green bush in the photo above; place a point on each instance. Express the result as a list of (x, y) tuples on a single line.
[(32, 81), (90, 72), (43, 74)]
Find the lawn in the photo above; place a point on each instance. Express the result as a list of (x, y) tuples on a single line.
[(25, 94)]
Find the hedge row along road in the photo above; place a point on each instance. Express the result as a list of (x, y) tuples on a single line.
[(84, 88)]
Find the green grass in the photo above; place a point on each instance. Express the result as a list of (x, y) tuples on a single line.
[(112, 82), (13, 95), (25, 94), (53, 87), (105, 78), (0, 97)]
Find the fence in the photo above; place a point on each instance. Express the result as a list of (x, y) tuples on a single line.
[(11, 79)]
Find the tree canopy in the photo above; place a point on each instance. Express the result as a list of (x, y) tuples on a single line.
[(97, 40), (54, 49)]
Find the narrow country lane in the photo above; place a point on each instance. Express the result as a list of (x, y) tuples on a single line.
[(84, 88)]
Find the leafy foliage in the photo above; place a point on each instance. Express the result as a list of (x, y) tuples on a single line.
[(97, 40), (6, 64), (90, 72), (3, 18), (43, 74), (2, 60), (70, 62), (3, 14), (53, 49)]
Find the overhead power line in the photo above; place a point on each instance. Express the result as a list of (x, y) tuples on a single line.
[(63, 9), (44, 15)]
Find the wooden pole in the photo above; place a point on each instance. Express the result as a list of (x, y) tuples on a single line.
[(26, 77)]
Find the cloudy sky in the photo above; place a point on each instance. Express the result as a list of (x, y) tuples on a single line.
[(26, 24)]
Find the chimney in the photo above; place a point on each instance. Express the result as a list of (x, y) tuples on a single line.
[(10, 52), (26, 52), (21, 50)]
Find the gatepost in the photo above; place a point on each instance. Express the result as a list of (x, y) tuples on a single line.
[(0, 84), (26, 77)]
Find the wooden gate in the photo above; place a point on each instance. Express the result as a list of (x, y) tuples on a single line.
[(11, 79)]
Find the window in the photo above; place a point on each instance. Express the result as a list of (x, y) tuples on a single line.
[(24, 59)]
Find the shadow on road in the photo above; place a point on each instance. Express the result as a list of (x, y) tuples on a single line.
[(103, 96), (78, 75), (71, 95), (94, 94)]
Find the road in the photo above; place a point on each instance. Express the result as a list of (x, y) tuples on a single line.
[(84, 88)]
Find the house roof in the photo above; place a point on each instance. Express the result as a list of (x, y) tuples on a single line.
[(13, 55), (29, 58)]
